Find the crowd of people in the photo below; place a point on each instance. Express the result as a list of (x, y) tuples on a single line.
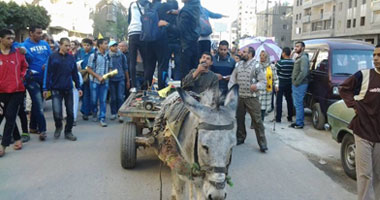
[(67, 71)]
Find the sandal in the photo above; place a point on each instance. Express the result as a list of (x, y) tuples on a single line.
[(2, 150), (17, 145)]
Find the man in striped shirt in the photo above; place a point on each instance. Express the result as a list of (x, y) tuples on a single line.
[(284, 73)]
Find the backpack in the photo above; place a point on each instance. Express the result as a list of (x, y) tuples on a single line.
[(205, 25), (149, 24)]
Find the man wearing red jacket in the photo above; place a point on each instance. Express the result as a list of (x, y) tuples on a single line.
[(362, 93), (12, 71)]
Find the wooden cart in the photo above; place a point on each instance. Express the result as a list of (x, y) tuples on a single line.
[(139, 115)]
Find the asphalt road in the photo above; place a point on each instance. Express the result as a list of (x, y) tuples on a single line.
[(300, 165)]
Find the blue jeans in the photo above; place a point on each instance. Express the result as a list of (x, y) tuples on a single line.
[(37, 119), (57, 97), (86, 107), (298, 94), (117, 89), (99, 93)]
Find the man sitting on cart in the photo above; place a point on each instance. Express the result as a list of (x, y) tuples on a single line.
[(197, 81)]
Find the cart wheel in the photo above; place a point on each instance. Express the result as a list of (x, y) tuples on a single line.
[(128, 146)]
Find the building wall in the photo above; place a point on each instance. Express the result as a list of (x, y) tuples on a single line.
[(354, 19), (279, 24)]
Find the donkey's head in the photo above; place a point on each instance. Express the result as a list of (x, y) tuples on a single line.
[(215, 138)]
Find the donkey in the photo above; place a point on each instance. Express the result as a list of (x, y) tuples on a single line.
[(207, 136)]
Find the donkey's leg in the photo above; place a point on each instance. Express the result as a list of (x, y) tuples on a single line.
[(191, 190), (178, 187)]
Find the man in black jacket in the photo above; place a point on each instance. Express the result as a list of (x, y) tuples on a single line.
[(189, 32), (61, 72)]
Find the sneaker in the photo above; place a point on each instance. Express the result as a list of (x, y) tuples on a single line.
[(121, 119), (25, 137), (290, 120), (43, 136), (103, 123), (85, 117), (263, 148), (70, 136), (296, 126), (113, 117), (57, 132)]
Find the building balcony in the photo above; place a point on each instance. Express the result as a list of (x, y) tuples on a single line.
[(306, 19), (326, 15), (376, 5)]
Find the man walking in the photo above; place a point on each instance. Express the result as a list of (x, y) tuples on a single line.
[(61, 72), (223, 66), (12, 70), (362, 93), (38, 52), (98, 65), (250, 80), (284, 72), (119, 82), (83, 55), (300, 82)]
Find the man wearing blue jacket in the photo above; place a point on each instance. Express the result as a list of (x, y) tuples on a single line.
[(38, 52), (83, 55), (223, 66), (120, 81), (204, 43), (61, 72)]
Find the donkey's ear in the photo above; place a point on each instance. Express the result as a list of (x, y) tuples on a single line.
[(232, 98), (193, 105)]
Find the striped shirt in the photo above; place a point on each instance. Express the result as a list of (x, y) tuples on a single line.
[(284, 71)]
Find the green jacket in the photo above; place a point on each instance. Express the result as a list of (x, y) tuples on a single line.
[(301, 70)]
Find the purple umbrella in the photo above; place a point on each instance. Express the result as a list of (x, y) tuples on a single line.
[(263, 44)]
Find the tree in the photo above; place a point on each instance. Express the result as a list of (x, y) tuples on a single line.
[(117, 27), (21, 17)]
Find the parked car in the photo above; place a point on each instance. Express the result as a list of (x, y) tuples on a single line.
[(339, 117), (331, 62)]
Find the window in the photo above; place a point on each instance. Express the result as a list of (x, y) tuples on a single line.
[(347, 62), (321, 13), (298, 2), (300, 16), (340, 6), (364, 2), (356, 3), (354, 23), (349, 23), (349, 3), (322, 61), (285, 27), (362, 21)]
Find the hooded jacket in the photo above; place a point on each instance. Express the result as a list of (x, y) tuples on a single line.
[(12, 71), (134, 17), (188, 23), (119, 62)]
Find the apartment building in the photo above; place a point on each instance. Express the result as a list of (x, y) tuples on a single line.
[(276, 22), (354, 19), (247, 18)]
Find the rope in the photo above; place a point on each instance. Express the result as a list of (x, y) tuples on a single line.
[(160, 181)]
